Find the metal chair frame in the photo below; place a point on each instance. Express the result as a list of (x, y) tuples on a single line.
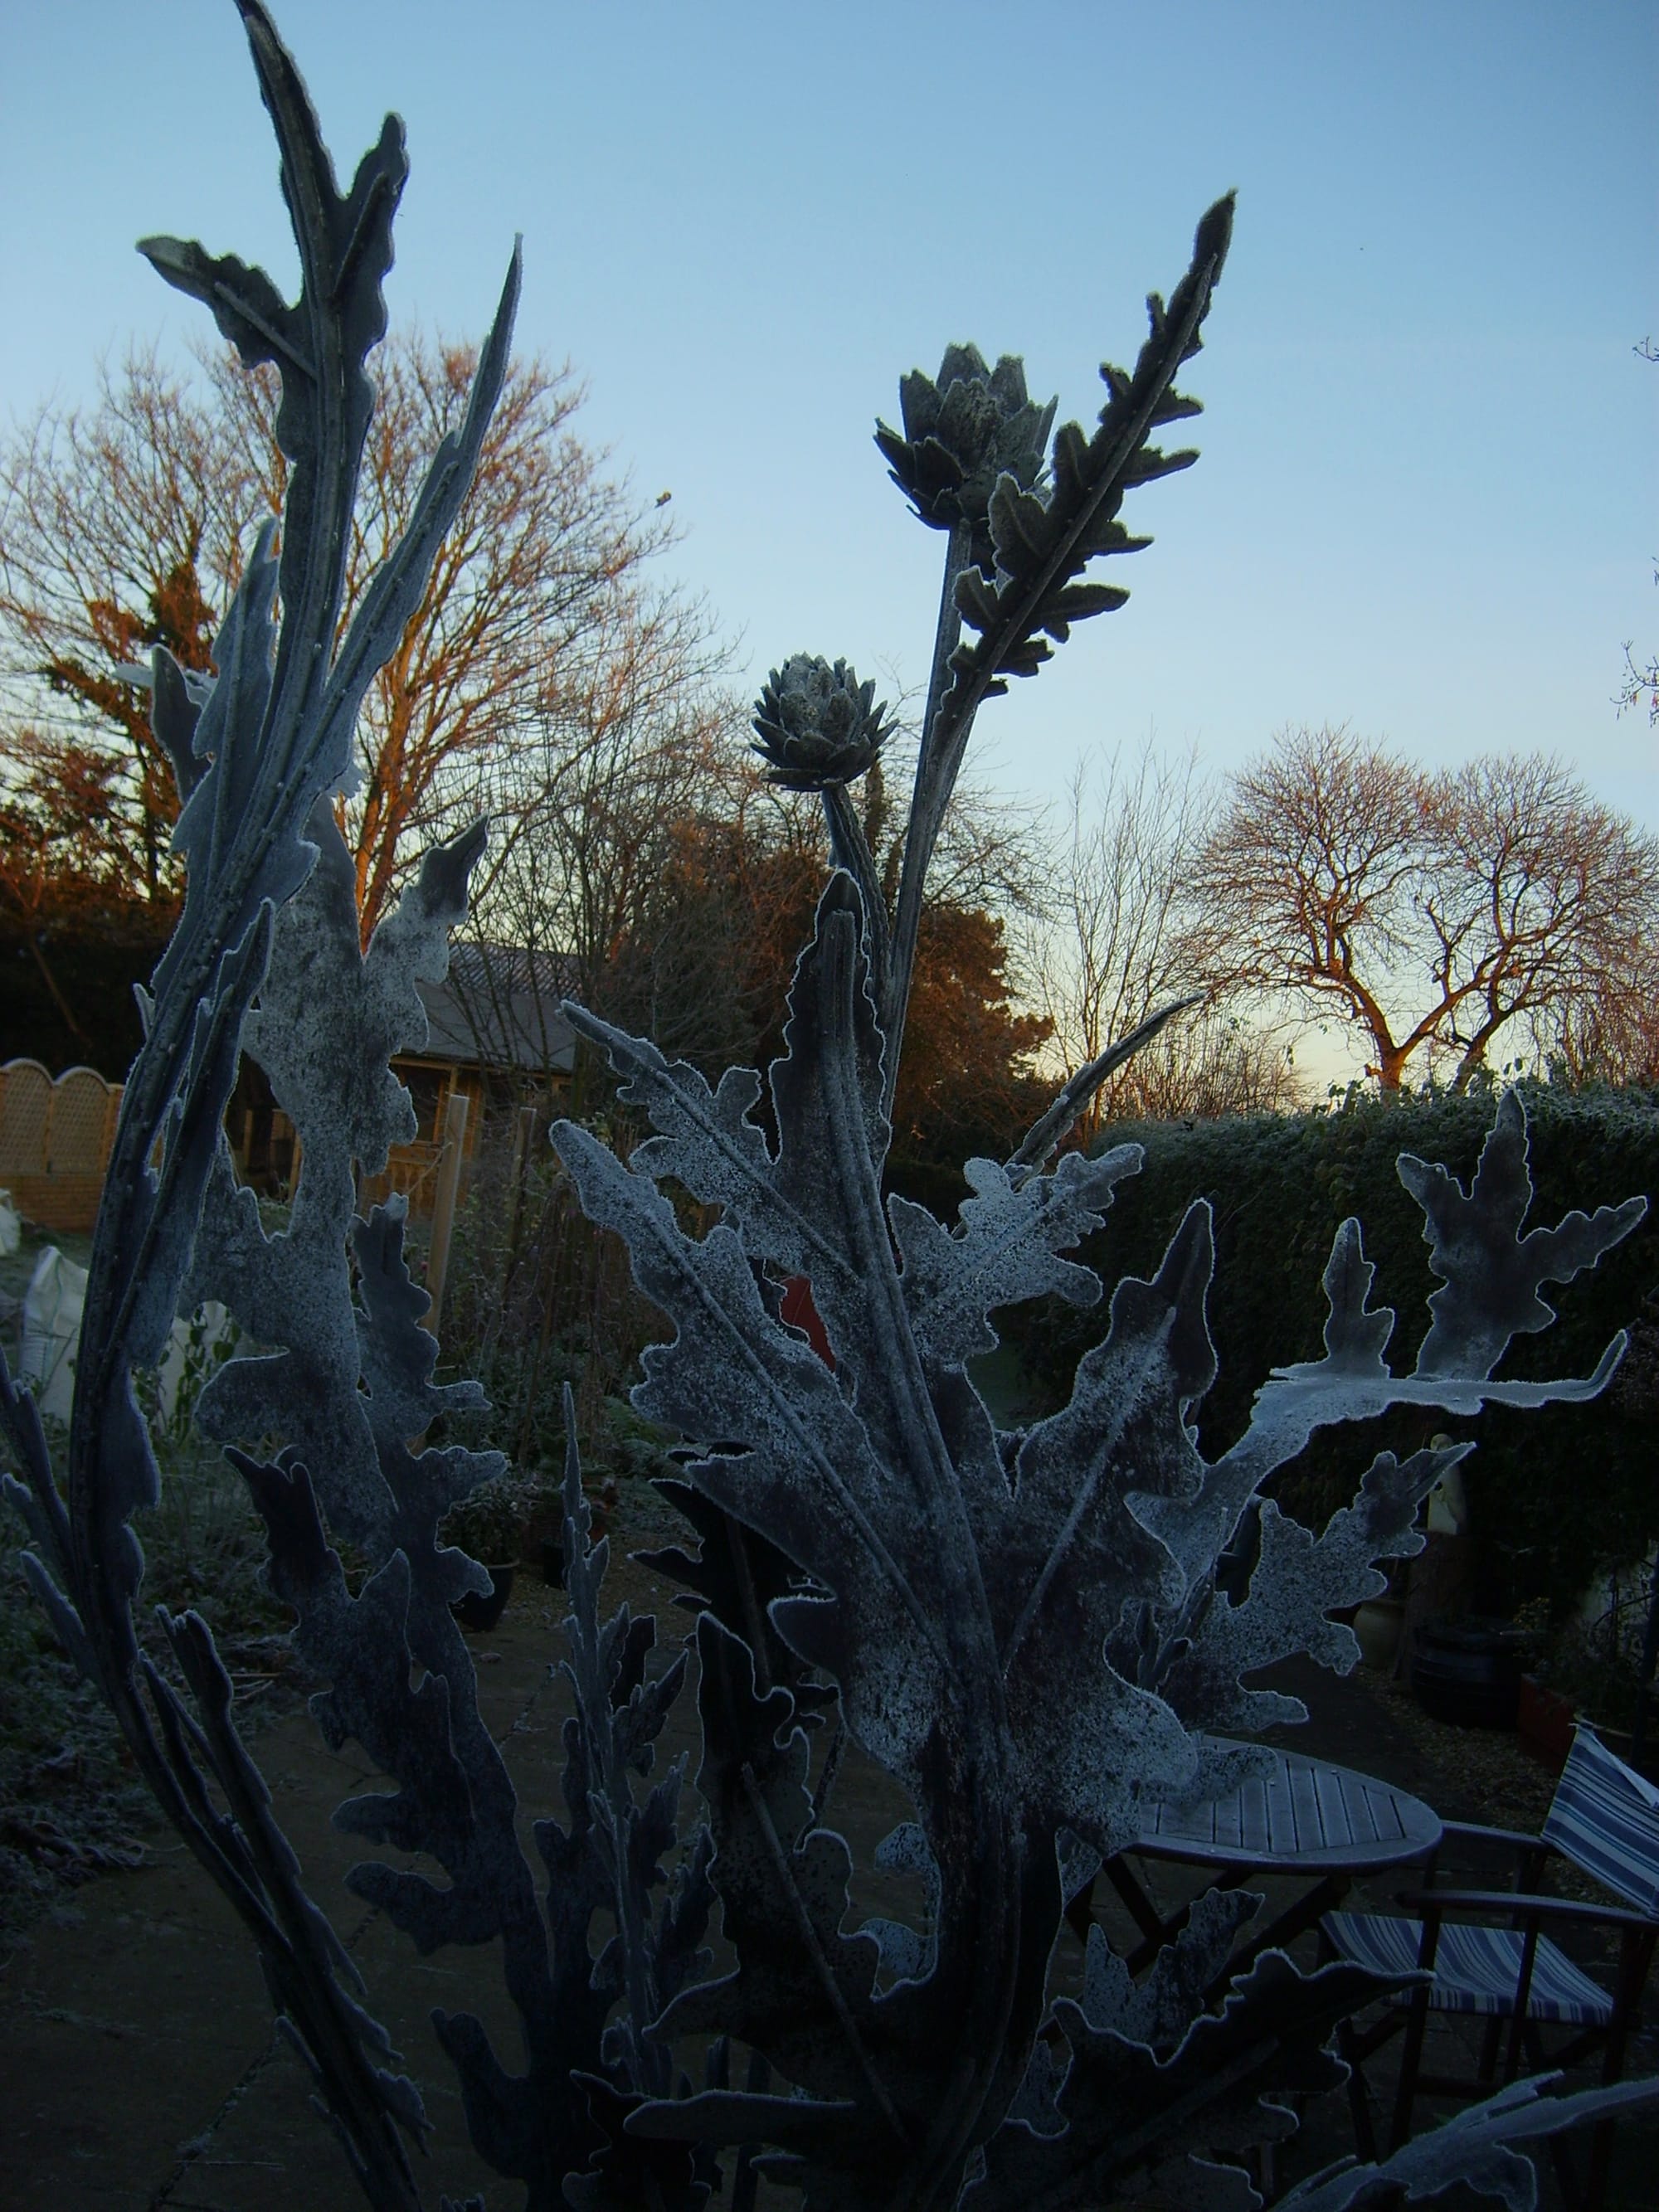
[(1528, 1913)]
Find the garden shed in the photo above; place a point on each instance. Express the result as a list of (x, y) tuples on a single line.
[(495, 1037)]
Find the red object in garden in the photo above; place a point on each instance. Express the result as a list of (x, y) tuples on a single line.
[(1545, 1721), (799, 1312)]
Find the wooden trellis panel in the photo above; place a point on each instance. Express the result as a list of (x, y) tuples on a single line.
[(55, 1139)]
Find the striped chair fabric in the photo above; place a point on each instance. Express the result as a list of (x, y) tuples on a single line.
[(1606, 1819), (1476, 1970)]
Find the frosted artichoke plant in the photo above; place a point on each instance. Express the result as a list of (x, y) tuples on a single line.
[(818, 726), (962, 431), (1028, 1630)]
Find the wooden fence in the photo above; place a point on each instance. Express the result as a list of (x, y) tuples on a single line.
[(55, 1139)]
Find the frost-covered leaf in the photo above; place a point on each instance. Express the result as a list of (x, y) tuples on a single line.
[(738, 1573), (1069, 1555), (323, 990), (1351, 1383), (801, 1991), (1159, 2009), (843, 1473), (255, 754), (329, 1019), (906, 1954), (806, 1476), (1298, 1582), (1490, 1272), (1470, 2151), (1007, 1248), (1220, 2087), (618, 1716), (708, 1141)]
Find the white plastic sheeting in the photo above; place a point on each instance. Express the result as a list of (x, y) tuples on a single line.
[(51, 1329), (51, 1332)]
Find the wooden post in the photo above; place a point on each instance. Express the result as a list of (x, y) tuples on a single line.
[(443, 1208), (524, 1140)]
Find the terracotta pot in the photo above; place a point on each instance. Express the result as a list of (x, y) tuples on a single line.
[(1545, 1719), (481, 1613), (1377, 1624)]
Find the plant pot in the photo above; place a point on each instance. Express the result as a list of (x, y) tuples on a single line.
[(1545, 1719), (1466, 1673), (1377, 1625), (480, 1613)]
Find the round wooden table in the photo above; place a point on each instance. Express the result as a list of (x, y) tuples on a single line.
[(1302, 1817)]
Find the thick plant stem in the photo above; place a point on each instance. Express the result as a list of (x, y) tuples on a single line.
[(980, 1919), (936, 778), (850, 849)]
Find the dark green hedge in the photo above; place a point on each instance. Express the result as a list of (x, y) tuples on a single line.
[(1555, 1495)]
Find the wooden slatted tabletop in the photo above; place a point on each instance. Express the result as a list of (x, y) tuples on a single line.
[(1304, 1817)]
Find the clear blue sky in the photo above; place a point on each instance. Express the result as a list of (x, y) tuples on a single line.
[(1425, 502)]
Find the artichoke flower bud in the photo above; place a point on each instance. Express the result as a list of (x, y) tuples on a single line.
[(962, 432), (818, 726)]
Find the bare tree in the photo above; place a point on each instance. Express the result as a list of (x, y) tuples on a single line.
[(1220, 1057), (1432, 911), (1542, 900), (1639, 685), (1121, 934), (124, 525), (612, 817), (535, 622), (642, 851), (1606, 1040), (993, 850)]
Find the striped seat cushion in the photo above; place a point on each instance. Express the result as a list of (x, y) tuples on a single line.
[(1605, 1818), (1476, 1970)]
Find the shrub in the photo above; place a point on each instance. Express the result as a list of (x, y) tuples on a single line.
[(1280, 1184)]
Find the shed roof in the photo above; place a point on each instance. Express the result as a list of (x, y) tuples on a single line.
[(498, 1009)]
